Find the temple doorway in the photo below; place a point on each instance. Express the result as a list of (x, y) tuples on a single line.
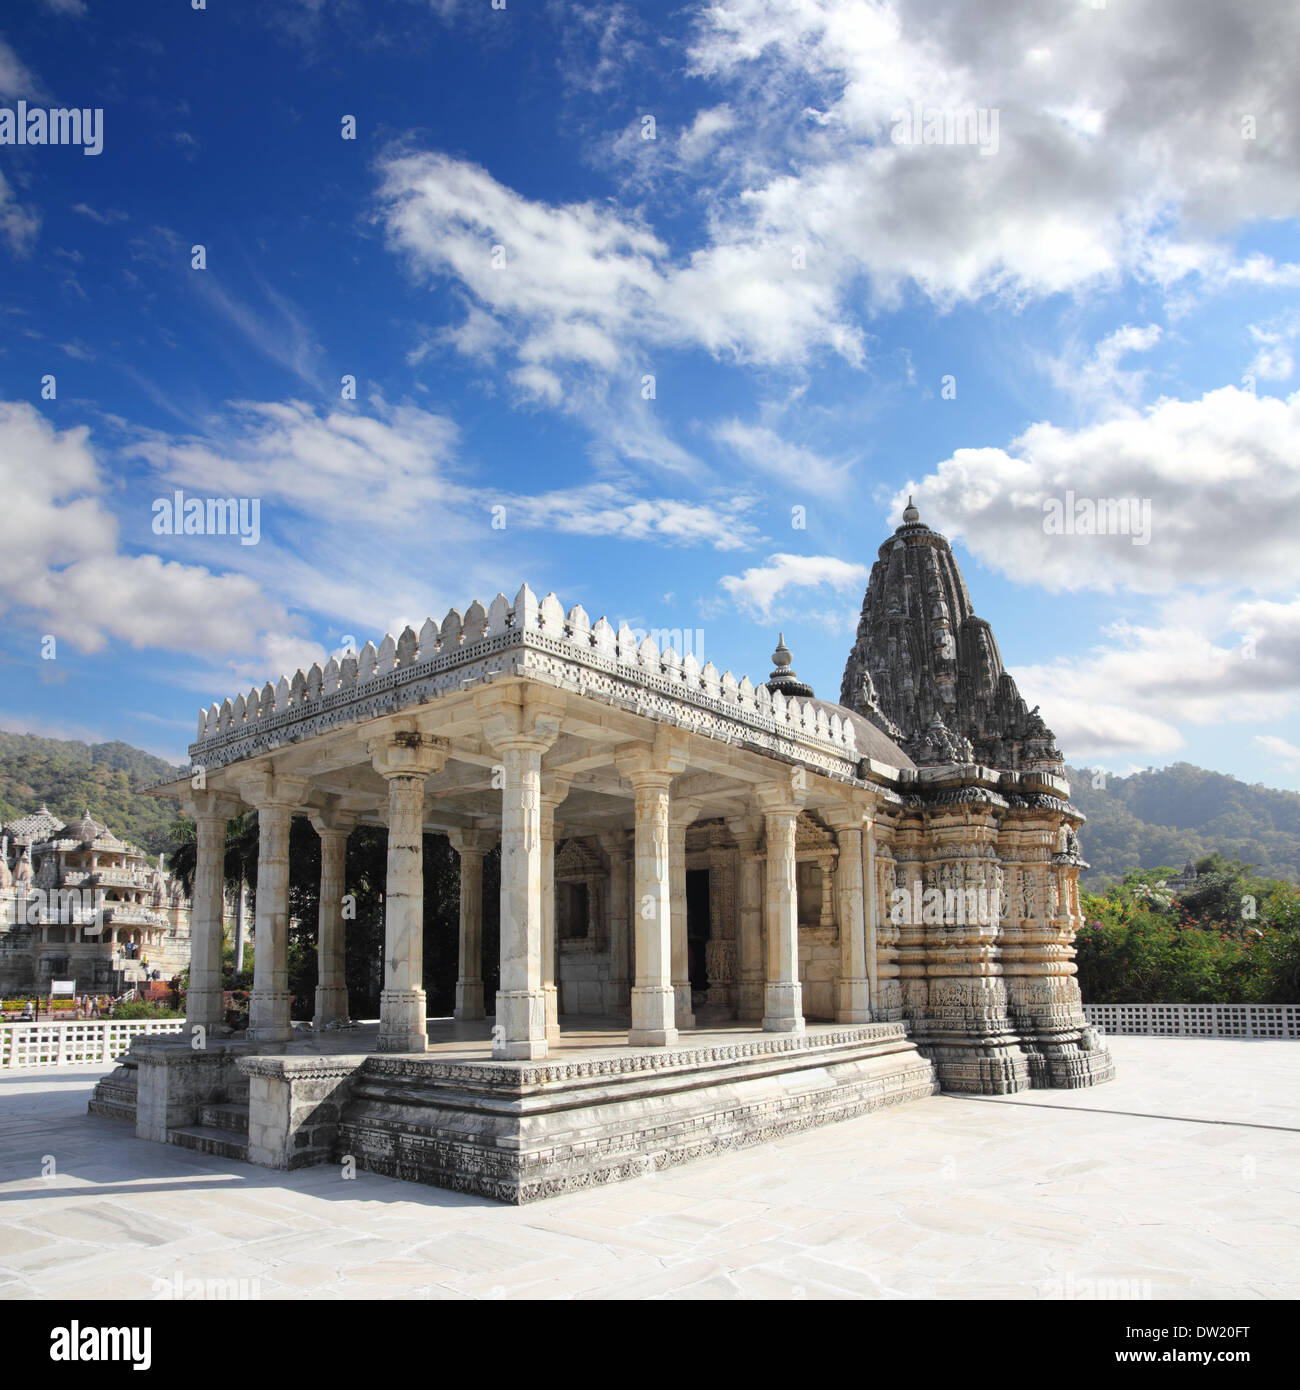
[(698, 927)]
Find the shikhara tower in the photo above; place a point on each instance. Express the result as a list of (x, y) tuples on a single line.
[(986, 817), (926, 670)]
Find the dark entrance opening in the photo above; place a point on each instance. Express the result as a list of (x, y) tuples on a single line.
[(698, 927)]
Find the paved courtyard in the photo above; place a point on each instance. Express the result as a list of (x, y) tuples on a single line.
[(1181, 1179)]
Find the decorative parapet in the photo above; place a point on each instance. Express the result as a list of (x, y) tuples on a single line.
[(529, 638)]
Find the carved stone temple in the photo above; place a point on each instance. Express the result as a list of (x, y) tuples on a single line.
[(728, 911)]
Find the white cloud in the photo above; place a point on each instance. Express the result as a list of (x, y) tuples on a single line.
[(582, 286), (1279, 749), (1219, 475), (18, 222), (764, 451), (1274, 359), (1099, 379), (60, 562), (759, 590), (16, 79), (603, 509), (1103, 165), (1134, 693)]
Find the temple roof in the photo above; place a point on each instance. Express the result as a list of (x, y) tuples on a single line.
[(32, 829), (928, 673)]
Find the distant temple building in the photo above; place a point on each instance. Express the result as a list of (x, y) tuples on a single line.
[(79, 904), (728, 910)]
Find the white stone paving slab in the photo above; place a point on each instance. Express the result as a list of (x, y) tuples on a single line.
[(1181, 1179)]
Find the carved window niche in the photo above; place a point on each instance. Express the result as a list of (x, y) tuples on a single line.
[(580, 876)]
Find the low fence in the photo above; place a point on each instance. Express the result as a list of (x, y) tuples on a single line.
[(1198, 1020), (82, 1043)]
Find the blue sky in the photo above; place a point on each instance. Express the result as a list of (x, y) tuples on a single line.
[(502, 257)]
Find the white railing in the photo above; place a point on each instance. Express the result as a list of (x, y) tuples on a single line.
[(76, 1044), (1198, 1020)]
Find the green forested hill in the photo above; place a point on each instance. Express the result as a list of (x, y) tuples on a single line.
[(71, 777), (1166, 816)]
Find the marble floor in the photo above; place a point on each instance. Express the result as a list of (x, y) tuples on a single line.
[(1181, 1179)]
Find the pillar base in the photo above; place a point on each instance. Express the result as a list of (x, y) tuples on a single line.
[(203, 1009), (402, 1026), (331, 1004), (519, 1033), (683, 1012), (652, 1016), (469, 1000), (854, 1002), (268, 1016), (783, 1011)]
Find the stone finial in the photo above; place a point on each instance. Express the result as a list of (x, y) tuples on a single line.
[(910, 513), (783, 678)]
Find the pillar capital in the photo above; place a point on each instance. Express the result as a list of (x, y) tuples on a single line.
[(408, 753), (208, 804), (649, 764), (331, 820), (784, 795), (683, 813), (519, 716), (747, 831), (265, 788), (471, 841), (844, 817), (555, 787)]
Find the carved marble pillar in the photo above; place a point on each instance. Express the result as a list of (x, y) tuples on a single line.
[(470, 845), (520, 1030), (653, 995), (210, 814), (554, 789), (680, 816), (616, 849), (520, 723), (276, 799), (854, 1001), (783, 995), (751, 968), (405, 760), (333, 827), (871, 918)]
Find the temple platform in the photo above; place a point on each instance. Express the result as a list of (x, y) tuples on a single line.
[(596, 1111)]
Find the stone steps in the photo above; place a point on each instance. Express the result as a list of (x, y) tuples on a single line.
[(207, 1139), (230, 1116)]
